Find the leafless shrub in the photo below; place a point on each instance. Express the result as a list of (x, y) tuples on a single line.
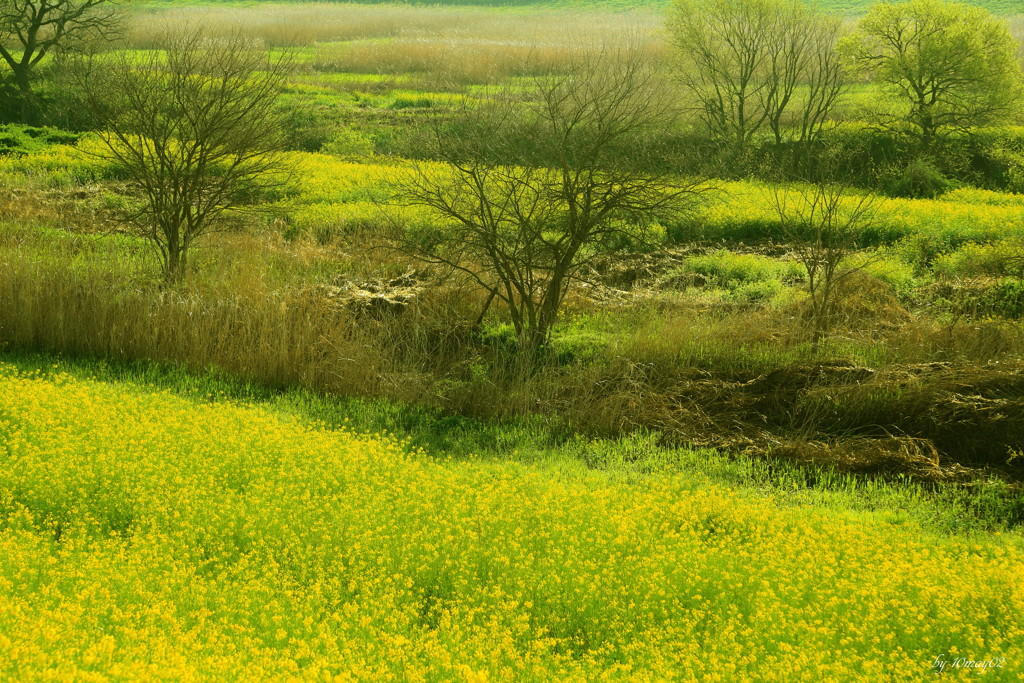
[(824, 221), (532, 198), (194, 129)]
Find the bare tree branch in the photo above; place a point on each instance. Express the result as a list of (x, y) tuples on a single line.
[(824, 221), (194, 127), (750, 64), (532, 191), (31, 30)]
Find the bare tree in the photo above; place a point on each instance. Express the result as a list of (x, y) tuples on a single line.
[(726, 47), (195, 129), (31, 30), (825, 79), (825, 223), (750, 63), (537, 186)]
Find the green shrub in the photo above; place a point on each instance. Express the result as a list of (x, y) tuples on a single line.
[(306, 129), (756, 292), (729, 269), (349, 143), (1006, 298), (973, 259), (16, 139), (572, 347), (921, 178), (412, 103)]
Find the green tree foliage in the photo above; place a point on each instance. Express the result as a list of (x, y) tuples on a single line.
[(951, 65), (30, 30)]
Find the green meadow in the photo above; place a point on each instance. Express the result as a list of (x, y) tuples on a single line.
[(327, 447)]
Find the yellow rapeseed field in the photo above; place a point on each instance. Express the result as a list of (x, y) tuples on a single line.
[(147, 536)]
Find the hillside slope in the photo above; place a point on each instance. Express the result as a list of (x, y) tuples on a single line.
[(146, 536)]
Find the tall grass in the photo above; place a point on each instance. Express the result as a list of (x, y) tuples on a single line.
[(286, 314), (101, 299), (303, 25), (455, 45), (455, 61)]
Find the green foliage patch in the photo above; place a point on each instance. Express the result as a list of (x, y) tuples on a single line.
[(19, 140)]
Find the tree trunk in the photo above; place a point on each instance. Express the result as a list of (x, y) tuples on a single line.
[(25, 94), (174, 262), (927, 130)]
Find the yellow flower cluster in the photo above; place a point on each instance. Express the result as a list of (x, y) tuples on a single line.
[(146, 536), (332, 196), (319, 178), (335, 195), (56, 166), (742, 207)]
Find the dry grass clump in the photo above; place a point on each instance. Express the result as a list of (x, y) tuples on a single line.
[(742, 379), (81, 208), (889, 454), (692, 333), (865, 302), (244, 324), (958, 339), (969, 413)]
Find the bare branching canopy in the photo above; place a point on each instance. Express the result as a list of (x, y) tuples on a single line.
[(758, 65), (31, 30), (824, 222), (541, 181), (951, 65), (194, 128)]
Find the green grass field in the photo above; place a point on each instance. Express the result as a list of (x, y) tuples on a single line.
[(151, 536)]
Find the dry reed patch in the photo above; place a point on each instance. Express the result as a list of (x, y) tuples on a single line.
[(460, 61), (303, 24), (82, 209), (453, 47), (307, 24), (450, 62), (270, 334)]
